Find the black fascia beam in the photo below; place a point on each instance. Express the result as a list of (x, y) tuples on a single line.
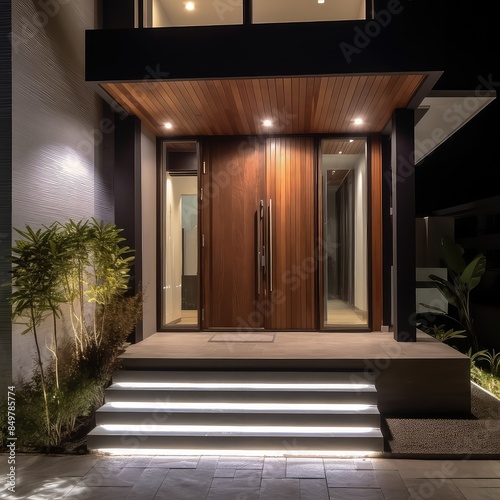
[(254, 50)]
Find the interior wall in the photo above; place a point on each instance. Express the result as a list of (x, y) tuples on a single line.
[(171, 313), (149, 230), (56, 125), (360, 236), (160, 17), (176, 187), (190, 225)]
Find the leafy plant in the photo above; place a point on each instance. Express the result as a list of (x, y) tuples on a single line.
[(490, 361), (78, 271), (485, 370), (36, 293), (463, 278), (439, 333)]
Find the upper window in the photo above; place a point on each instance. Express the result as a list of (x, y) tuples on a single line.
[(196, 13), (299, 11), (165, 13)]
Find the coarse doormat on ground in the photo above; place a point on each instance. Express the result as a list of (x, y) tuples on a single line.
[(476, 436), (242, 337)]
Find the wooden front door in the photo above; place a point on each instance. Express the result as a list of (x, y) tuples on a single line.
[(290, 172), (259, 220)]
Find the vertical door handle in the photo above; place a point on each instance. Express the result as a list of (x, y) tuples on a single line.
[(260, 215), (270, 246)]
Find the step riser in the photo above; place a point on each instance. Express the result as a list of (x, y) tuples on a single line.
[(247, 377), (162, 418), (159, 396), (131, 441), (330, 388)]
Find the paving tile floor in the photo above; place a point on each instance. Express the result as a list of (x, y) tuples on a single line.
[(92, 477)]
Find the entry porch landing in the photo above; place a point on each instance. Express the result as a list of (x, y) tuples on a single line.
[(423, 378)]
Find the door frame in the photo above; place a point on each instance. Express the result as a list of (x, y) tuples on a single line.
[(374, 231)]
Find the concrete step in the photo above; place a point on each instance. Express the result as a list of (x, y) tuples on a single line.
[(241, 392), (239, 413), (242, 376), (207, 437)]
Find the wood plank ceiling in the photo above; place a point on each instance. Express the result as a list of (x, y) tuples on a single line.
[(301, 105)]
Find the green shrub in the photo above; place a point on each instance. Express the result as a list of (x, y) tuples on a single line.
[(486, 380), (78, 272)]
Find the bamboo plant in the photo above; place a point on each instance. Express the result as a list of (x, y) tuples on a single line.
[(72, 277)]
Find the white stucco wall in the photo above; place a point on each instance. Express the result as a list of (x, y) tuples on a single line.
[(56, 127)]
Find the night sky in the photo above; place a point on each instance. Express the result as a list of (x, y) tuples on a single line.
[(465, 168)]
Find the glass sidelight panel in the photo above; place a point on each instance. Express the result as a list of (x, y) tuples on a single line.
[(298, 11), (180, 235), (345, 201)]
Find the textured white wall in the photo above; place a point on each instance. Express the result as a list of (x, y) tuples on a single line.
[(5, 191), (57, 130)]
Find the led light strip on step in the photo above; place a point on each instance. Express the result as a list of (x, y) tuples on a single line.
[(237, 453), (257, 430), (239, 386), (242, 407)]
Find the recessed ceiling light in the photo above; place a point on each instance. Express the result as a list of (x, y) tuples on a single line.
[(358, 121), (190, 6), (321, 1), (267, 123), (168, 125)]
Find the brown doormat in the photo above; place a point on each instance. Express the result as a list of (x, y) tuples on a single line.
[(476, 436), (242, 337)]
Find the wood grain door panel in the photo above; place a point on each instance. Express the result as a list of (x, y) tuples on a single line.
[(291, 188), (240, 173), (233, 186)]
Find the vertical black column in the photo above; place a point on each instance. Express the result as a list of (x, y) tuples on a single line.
[(247, 12), (386, 232), (403, 220), (127, 195), (5, 194), (140, 14)]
